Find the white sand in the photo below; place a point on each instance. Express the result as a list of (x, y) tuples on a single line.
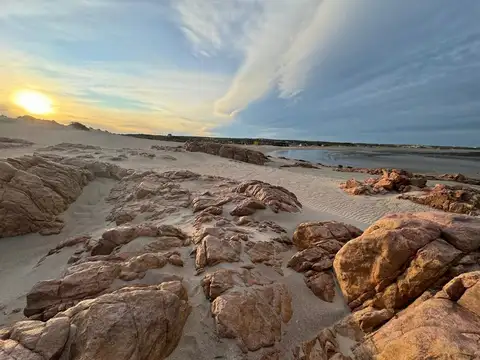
[(316, 189)]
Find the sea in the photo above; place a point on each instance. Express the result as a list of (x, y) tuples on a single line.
[(421, 160)]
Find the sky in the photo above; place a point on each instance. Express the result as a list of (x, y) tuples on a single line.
[(388, 71)]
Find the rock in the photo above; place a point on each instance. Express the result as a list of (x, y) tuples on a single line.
[(438, 328), (322, 285), (136, 323), (400, 256), (227, 151), (305, 260), (266, 252), (247, 207), (310, 234), (87, 280), (391, 180), (212, 251), (460, 200), (33, 191), (276, 198), (369, 319), (253, 316), (9, 143)]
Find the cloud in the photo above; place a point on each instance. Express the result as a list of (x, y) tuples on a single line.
[(282, 48)]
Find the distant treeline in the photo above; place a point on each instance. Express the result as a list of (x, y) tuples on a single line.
[(276, 142)]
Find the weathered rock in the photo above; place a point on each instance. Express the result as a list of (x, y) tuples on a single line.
[(455, 199), (33, 191), (391, 180), (227, 151), (322, 285), (9, 143), (306, 259), (324, 234), (222, 280), (400, 256), (87, 280), (276, 198), (443, 327), (247, 207), (254, 316), (136, 323), (266, 252), (212, 251)]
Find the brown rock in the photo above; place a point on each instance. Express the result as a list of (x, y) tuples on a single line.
[(276, 198), (310, 234), (305, 260), (460, 200), (247, 207), (212, 251), (322, 285), (227, 151), (254, 316), (438, 328), (400, 256)]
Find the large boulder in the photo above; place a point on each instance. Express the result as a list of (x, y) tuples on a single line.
[(227, 151), (253, 316), (142, 323), (33, 191), (445, 326), (401, 255), (276, 198), (324, 233), (455, 199)]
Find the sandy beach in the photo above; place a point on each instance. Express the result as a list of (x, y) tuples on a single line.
[(23, 261)]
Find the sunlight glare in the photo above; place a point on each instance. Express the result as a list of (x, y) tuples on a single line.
[(34, 102)]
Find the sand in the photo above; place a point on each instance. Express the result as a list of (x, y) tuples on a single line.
[(21, 264)]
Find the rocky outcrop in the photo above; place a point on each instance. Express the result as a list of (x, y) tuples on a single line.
[(89, 279), (254, 316), (445, 326), (401, 255), (142, 323), (324, 234), (227, 151), (319, 242), (9, 143), (455, 177), (390, 181), (455, 199), (276, 198), (33, 191)]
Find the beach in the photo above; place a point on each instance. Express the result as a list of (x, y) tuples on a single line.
[(24, 263)]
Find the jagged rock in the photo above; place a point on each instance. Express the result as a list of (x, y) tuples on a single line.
[(33, 191), (276, 198), (88, 279), (247, 207), (212, 251), (455, 199), (131, 323), (253, 316), (322, 285), (445, 326), (227, 151), (9, 143), (167, 236), (325, 234), (391, 180), (400, 256), (218, 282), (266, 252)]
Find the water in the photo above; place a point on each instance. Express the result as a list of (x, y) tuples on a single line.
[(429, 161)]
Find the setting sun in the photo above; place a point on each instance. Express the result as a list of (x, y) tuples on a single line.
[(33, 102)]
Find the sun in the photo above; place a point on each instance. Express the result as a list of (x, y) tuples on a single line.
[(33, 101)]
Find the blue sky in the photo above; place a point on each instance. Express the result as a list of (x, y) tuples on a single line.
[(392, 71)]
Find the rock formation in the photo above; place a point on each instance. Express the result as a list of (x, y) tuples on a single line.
[(227, 151), (390, 181), (455, 199), (143, 323), (401, 255)]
